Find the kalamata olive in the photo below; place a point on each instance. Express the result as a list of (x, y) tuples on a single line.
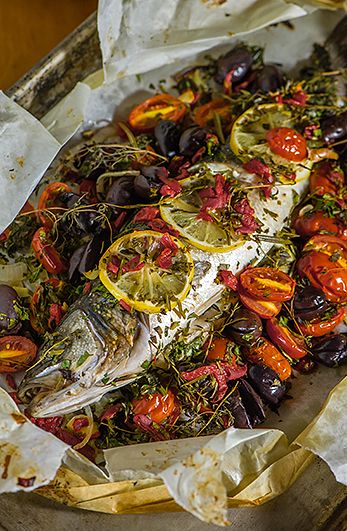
[(75, 259), (306, 365), (92, 253), (309, 302), (167, 134), (121, 191), (238, 60), (331, 350), (269, 79), (9, 319), (334, 128), (82, 220), (191, 140), (252, 402), (144, 189), (238, 411), (267, 384), (245, 328)]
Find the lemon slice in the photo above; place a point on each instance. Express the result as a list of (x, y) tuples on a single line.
[(182, 213), (248, 138), (150, 271)]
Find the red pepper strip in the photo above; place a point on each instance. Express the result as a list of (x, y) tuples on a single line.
[(282, 337), (26, 482), (110, 412), (222, 372), (147, 214), (69, 438), (228, 278), (56, 313), (146, 424)]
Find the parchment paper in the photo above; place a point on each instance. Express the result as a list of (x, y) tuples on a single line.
[(239, 467)]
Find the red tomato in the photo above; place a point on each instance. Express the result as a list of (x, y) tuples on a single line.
[(16, 353), (284, 338), (205, 114), (88, 187), (315, 222), (217, 349), (267, 354), (324, 180), (332, 246), (265, 309), (267, 284), (157, 406), (45, 252), (46, 295), (287, 143), (50, 197), (317, 328), (323, 273), (144, 117)]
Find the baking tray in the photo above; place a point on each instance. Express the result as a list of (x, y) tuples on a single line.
[(316, 502)]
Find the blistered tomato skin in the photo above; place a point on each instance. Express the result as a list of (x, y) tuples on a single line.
[(158, 407), (283, 338), (318, 327), (267, 354), (317, 222), (287, 143), (45, 252), (267, 284), (145, 116), (16, 353), (265, 309)]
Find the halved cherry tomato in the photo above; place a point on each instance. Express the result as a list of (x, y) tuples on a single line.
[(317, 328), (265, 309), (48, 198), (50, 292), (144, 117), (285, 339), (315, 222), (324, 180), (267, 354), (205, 114), (267, 284), (332, 246), (45, 252), (217, 349), (323, 273), (157, 407), (287, 143), (16, 353)]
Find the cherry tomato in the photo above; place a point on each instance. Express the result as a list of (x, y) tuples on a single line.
[(51, 292), (323, 273), (144, 117), (267, 354), (157, 406), (267, 284), (88, 187), (265, 309), (16, 353), (45, 252), (317, 328), (315, 222), (323, 180), (217, 349), (332, 246), (287, 143), (205, 114), (285, 339), (50, 197)]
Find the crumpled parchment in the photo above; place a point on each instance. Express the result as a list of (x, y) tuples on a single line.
[(240, 467)]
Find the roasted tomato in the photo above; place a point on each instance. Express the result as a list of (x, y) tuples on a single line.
[(315, 222), (265, 309), (88, 188), (267, 284), (205, 114), (47, 305), (324, 180), (323, 273), (16, 353), (267, 354), (218, 348), (332, 246), (50, 198), (144, 117), (45, 252), (285, 339), (318, 327), (287, 143), (157, 407)]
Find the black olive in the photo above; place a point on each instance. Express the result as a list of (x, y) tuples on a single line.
[(334, 128), (331, 350), (306, 365), (121, 191), (92, 253), (145, 189), (167, 134), (238, 411), (252, 402), (9, 319), (309, 302), (245, 328), (269, 79), (75, 259), (191, 140), (267, 383), (82, 220), (239, 60)]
